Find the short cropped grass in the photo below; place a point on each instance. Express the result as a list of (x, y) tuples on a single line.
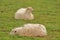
[(46, 12)]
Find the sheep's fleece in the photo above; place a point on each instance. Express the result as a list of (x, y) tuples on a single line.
[(24, 13), (30, 30)]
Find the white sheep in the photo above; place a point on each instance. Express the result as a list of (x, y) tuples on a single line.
[(30, 30), (24, 13)]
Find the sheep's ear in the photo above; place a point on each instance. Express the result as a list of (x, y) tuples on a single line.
[(30, 8)]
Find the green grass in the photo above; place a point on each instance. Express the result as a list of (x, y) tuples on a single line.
[(46, 12)]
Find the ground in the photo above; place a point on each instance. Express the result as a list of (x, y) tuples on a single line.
[(46, 12)]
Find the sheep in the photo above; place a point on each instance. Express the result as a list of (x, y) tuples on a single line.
[(33, 30), (24, 13)]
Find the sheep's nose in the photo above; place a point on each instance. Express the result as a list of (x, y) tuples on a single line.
[(10, 33)]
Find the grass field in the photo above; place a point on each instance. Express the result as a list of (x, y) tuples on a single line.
[(46, 12)]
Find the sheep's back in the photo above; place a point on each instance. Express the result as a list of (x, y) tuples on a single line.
[(21, 11)]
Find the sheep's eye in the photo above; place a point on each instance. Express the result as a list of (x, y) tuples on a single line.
[(15, 31)]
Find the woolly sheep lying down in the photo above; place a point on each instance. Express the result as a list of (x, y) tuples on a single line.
[(24, 13), (30, 30)]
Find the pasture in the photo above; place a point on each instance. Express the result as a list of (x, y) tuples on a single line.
[(46, 12)]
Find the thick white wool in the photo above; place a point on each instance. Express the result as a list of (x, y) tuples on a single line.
[(30, 30), (24, 13)]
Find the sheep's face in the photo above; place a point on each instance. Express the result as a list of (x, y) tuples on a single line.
[(15, 31), (29, 9)]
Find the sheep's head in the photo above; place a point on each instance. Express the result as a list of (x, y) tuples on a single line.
[(15, 31), (29, 9)]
